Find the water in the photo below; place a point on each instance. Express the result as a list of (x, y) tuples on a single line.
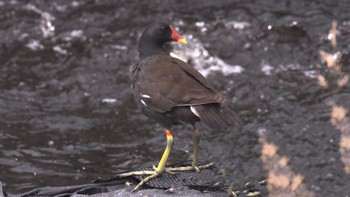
[(67, 115)]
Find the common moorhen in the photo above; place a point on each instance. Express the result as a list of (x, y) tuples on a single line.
[(172, 92)]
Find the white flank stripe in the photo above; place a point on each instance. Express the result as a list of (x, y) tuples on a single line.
[(143, 102), (145, 96)]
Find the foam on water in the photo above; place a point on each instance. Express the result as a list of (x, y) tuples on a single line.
[(237, 24), (202, 60), (34, 45), (266, 68)]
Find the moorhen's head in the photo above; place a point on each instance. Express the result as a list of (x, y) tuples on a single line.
[(155, 35)]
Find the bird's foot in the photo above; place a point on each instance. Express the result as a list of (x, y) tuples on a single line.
[(151, 175), (155, 172)]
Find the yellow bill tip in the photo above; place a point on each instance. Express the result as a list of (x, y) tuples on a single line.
[(182, 40)]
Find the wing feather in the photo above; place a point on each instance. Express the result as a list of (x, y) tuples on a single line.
[(170, 82)]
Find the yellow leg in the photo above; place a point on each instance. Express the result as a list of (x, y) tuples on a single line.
[(195, 148), (161, 165), (169, 145), (157, 170), (194, 165)]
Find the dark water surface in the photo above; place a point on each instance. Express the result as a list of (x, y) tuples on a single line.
[(67, 115)]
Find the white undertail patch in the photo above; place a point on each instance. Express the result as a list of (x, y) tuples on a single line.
[(193, 110)]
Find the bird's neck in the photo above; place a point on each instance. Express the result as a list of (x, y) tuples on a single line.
[(148, 47)]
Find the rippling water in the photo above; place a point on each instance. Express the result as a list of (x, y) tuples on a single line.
[(67, 115)]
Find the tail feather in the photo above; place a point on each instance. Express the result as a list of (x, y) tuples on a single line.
[(216, 116)]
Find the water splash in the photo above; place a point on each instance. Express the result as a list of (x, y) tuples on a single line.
[(46, 26), (35, 45)]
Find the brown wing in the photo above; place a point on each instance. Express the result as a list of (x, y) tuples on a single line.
[(165, 82)]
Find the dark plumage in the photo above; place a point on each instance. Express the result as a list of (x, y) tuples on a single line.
[(166, 88)]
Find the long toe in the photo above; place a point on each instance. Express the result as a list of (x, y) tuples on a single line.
[(189, 168), (145, 180)]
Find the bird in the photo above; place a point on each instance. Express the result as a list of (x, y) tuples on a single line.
[(172, 92)]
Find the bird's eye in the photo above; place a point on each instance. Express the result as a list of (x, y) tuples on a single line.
[(162, 28)]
